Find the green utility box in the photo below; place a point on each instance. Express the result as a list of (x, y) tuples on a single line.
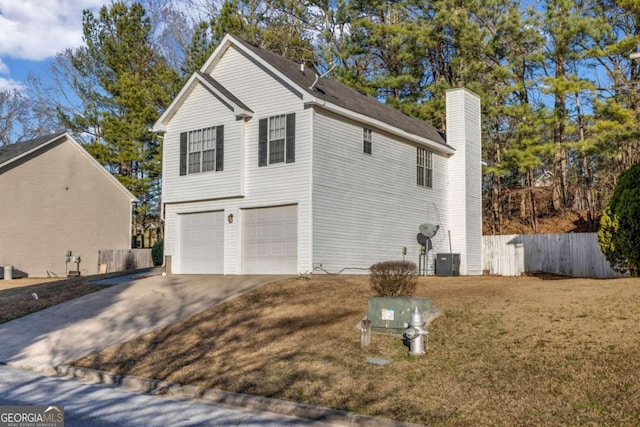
[(389, 314)]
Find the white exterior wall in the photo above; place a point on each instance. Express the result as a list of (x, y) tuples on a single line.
[(366, 208), (200, 110), (465, 178), (242, 184)]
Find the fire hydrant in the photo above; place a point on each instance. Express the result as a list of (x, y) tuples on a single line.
[(415, 333)]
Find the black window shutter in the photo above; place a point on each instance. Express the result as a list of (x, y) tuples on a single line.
[(219, 148), (183, 153), (262, 142), (291, 138)]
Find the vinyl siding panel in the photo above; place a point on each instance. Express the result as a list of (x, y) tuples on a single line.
[(57, 200), (273, 185), (463, 133), (366, 208), (201, 110)]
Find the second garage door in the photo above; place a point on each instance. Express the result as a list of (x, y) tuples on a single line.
[(270, 240), (200, 243)]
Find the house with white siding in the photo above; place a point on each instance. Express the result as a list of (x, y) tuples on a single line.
[(270, 169), (56, 198)]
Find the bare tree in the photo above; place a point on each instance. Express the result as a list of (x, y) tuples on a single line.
[(20, 119)]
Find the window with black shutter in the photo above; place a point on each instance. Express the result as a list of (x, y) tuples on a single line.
[(277, 139), (202, 150)]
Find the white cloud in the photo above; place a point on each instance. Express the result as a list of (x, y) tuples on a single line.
[(10, 84), (37, 29), (7, 83)]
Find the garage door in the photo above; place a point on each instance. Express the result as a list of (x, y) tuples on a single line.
[(270, 240), (200, 243)]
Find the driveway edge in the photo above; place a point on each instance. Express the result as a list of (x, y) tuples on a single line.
[(157, 387)]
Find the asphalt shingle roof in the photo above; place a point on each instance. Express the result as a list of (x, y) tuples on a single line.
[(339, 94), (12, 151)]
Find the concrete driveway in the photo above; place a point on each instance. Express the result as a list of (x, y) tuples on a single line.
[(68, 331)]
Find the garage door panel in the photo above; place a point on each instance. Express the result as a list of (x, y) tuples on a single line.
[(291, 249), (270, 240), (201, 243), (262, 231)]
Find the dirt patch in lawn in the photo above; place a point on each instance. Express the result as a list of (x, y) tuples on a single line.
[(508, 351), (16, 296)]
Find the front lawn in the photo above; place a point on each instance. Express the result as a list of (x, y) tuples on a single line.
[(508, 351), (17, 300)]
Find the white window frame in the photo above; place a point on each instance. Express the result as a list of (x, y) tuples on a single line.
[(277, 139), (424, 167), (367, 141), (201, 150)]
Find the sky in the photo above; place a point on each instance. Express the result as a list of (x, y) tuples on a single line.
[(33, 31)]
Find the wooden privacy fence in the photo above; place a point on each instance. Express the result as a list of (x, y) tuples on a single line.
[(572, 254), (111, 260)]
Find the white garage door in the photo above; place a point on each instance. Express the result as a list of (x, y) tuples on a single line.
[(270, 240), (200, 243)]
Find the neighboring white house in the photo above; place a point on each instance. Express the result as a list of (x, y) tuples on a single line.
[(269, 169)]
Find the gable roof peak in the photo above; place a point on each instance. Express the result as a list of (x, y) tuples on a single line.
[(13, 152), (326, 92)]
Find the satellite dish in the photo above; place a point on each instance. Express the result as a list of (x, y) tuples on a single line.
[(429, 230), (422, 239)]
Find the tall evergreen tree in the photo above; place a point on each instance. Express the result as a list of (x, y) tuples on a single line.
[(510, 57), (571, 27), (125, 85), (275, 25), (614, 136)]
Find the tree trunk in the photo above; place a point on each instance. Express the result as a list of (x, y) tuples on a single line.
[(532, 201), (496, 188), (496, 206), (586, 177), (560, 158)]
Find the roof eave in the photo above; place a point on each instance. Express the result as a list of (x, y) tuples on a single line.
[(34, 149), (83, 151), (226, 41), (309, 98), (102, 169), (161, 124), (238, 111), (433, 145), (229, 41)]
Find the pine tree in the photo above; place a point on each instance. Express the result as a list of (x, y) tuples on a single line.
[(571, 27), (125, 85), (614, 135), (275, 25)]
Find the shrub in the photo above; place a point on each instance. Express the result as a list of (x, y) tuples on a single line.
[(619, 234), (394, 278), (157, 252)]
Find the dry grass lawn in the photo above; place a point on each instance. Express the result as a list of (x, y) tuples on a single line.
[(16, 295), (508, 351)]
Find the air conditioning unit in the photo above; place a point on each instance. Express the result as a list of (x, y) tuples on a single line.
[(447, 264)]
